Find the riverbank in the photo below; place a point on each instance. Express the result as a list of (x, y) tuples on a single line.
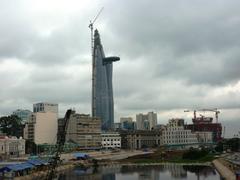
[(223, 170), (68, 162), (42, 174), (125, 158), (38, 175), (169, 157)]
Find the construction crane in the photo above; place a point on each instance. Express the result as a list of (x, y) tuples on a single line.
[(194, 113), (93, 63), (61, 137), (91, 27), (213, 110)]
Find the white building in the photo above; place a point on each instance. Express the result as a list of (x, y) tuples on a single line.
[(43, 124), (46, 126), (11, 146), (111, 140), (174, 134), (45, 107), (204, 137), (146, 121)]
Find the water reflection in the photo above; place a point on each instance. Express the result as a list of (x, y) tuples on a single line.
[(166, 171), (201, 171)]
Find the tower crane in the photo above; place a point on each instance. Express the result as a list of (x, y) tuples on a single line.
[(213, 110), (93, 63), (194, 113), (91, 27)]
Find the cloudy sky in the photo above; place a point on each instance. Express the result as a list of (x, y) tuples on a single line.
[(175, 55)]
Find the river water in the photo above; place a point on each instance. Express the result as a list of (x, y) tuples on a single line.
[(152, 172)]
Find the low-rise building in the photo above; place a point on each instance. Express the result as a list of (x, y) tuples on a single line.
[(11, 146), (204, 137), (111, 140), (140, 139), (175, 135), (84, 130)]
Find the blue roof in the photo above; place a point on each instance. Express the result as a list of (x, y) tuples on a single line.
[(4, 169), (44, 162), (17, 167), (26, 165), (37, 162), (22, 166), (81, 155)]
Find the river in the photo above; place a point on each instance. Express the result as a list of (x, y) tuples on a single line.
[(151, 172)]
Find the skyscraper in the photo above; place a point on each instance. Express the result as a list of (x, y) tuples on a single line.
[(102, 90), (146, 121)]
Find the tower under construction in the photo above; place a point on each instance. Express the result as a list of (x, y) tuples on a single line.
[(102, 90)]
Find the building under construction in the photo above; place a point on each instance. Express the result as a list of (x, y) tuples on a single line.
[(203, 123)]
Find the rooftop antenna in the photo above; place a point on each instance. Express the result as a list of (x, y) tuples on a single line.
[(93, 63)]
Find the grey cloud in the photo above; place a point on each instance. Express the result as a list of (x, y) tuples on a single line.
[(173, 55), (177, 38), (22, 39)]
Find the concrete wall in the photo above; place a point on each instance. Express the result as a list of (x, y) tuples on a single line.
[(46, 128)]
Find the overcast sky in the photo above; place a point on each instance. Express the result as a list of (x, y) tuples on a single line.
[(175, 55)]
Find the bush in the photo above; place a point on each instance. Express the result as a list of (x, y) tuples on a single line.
[(194, 154)]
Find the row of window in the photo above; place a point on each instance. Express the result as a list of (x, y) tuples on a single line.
[(177, 132), (111, 139), (179, 141), (111, 144)]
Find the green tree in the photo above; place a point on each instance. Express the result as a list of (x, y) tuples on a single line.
[(11, 125), (234, 144), (30, 147), (219, 147)]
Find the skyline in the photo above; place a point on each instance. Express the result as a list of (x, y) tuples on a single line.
[(180, 55)]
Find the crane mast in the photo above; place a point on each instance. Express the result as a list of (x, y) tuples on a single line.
[(61, 137), (93, 62)]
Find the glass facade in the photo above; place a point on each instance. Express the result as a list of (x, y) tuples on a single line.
[(24, 115), (102, 91)]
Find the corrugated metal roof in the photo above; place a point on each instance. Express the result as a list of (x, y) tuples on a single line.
[(17, 167), (81, 155)]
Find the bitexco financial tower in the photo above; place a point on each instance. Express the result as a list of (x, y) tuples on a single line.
[(102, 90)]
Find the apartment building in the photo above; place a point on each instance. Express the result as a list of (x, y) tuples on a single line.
[(84, 130), (111, 140), (42, 125), (174, 134)]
